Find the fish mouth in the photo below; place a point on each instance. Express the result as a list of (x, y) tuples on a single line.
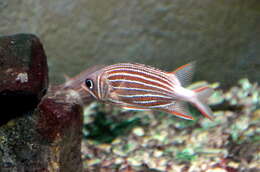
[(88, 90)]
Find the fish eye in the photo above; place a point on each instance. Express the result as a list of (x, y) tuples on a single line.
[(89, 83)]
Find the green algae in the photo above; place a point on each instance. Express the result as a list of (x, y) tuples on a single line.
[(105, 130), (186, 155)]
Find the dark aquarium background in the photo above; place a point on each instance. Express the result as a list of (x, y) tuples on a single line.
[(222, 36)]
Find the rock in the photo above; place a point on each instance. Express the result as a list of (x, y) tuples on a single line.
[(47, 140), (138, 131), (56, 116), (23, 65), (46, 135), (217, 169), (23, 74)]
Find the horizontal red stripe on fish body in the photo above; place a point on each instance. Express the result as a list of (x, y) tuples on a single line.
[(134, 91), (142, 104), (151, 104), (143, 69), (133, 78), (137, 86), (142, 73), (140, 85), (143, 98)]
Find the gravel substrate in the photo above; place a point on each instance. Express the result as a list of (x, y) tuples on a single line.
[(133, 141)]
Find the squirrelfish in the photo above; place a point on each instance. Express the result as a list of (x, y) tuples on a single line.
[(141, 87)]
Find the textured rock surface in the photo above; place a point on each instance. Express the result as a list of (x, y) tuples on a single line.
[(23, 64), (60, 124), (47, 140), (23, 74), (77, 34), (37, 134)]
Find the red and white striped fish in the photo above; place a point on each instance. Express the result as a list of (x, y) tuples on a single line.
[(141, 87)]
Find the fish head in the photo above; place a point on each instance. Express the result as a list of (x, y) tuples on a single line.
[(94, 84)]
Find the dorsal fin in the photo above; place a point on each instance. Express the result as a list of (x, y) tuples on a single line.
[(184, 73)]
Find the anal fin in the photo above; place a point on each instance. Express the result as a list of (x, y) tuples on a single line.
[(179, 109)]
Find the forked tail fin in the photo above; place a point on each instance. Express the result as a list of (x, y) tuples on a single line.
[(202, 95)]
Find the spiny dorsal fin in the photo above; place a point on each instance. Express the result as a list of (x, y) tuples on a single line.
[(184, 73)]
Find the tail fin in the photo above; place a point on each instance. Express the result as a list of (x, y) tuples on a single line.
[(202, 95)]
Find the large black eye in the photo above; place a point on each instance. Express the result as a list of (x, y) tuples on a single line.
[(89, 83)]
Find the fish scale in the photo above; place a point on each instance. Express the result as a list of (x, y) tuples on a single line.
[(140, 80), (141, 87)]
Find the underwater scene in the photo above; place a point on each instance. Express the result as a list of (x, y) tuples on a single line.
[(130, 86), (157, 141)]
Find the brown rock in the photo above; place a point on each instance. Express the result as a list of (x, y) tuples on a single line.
[(23, 74), (38, 134), (23, 65), (48, 139)]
